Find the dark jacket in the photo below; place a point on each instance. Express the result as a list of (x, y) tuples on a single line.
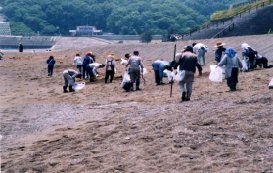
[(218, 53), (188, 61), (50, 61), (87, 60)]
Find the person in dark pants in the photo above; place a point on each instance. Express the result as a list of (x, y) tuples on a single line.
[(21, 47), (219, 51), (188, 63), (92, 70), (159, 66), (69, 79), (50, 65), (232, 64), (135, 69), (86, 61), (110, 68), (262, 62)]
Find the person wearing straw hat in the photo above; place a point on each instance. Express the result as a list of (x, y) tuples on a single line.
[(219, 51)]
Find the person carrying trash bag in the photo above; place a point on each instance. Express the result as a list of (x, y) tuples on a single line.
[(232, 64), (187, 62), (135, 69), (69, 79)]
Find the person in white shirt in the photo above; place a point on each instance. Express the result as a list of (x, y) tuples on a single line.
[(78, 62), (200, 50)]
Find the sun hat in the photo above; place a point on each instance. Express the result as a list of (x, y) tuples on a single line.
[(219, 44)]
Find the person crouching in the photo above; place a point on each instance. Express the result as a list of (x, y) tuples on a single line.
[(69, 79), (159, 66), (92, 70)]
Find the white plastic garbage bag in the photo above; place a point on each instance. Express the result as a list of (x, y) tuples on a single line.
[(179, 75), (169, 74), (144, 71), (78, 86), (216, 73), (124, 61), (125, 78), (245, 67)]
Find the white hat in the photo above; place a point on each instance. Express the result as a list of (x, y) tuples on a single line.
[(245, 46)]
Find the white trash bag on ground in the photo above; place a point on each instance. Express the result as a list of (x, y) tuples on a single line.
[(216, 73), (78, 86)]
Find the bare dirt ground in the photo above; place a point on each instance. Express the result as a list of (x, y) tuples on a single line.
[(104, 129)]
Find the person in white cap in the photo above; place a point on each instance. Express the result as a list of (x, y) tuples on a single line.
[(200, 50), (249, 55)]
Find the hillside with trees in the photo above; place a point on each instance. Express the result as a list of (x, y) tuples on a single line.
[(115, 16)]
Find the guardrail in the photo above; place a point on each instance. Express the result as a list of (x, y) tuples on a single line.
[(222, 32)]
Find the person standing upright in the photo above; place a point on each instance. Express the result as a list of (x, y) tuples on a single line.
[(110, 68), (21, 47), (78, 62), (219, 51), (200, 50), (50, 65), (232, 64), (187, 62), (86, 61), (135, 68)]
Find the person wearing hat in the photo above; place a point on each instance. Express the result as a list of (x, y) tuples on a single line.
[(110, 64), (219, 51), (232, 64), (69, 79), (200, 50), (249, 55), (187, 62)]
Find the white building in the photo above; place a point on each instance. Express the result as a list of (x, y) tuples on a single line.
[(85, 31)]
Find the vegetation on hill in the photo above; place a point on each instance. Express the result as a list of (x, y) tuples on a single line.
[(226, 14), (117, 16)]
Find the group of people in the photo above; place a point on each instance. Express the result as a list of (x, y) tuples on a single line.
[(230, 59), (186, 62)]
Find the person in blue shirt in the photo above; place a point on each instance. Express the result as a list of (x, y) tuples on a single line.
[(159, 66), (50, 65), (86, 61)]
